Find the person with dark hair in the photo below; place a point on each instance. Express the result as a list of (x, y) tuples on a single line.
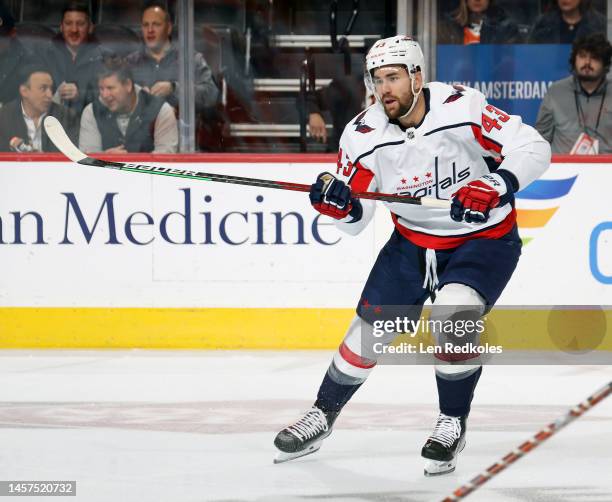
[(566, 21), (478, 22), (21, 120), (125, 118), (576, 113), (13, 55), (155, 64), (75, 57)]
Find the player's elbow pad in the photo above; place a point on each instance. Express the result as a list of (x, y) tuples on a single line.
[(539, 162), (528, 166)]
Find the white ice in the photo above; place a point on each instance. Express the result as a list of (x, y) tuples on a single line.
[(198, 426)]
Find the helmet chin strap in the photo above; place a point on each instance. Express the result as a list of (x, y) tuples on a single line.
[(415, 97)]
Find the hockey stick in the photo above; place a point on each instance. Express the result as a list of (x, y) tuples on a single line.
[(60, 139), (530, 444)]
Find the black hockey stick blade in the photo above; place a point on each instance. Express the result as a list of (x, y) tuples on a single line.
[(60, 139)]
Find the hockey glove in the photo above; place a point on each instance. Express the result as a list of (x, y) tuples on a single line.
[(332, 197), (474, 201)]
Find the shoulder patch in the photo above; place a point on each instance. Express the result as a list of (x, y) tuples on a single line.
[(360, 125), (456, 94)]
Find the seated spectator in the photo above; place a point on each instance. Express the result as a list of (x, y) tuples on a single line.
[(155, 65), (344, 98), (75, 58), (478, 22), (576, 113), (567, 21), (13, 55), (125, 118), (21, 120)]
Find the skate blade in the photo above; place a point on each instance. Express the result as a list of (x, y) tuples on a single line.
[(282, 456), (438, 468)]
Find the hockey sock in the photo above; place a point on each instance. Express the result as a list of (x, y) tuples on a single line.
[(455, 395), (333, 396)]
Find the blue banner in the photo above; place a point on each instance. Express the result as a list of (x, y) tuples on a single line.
[(547, 189), (512, 77)]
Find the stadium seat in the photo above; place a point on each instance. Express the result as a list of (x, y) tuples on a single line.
[(119, 12), (220, 12), (48, 12), (117, 39), (35, 36)]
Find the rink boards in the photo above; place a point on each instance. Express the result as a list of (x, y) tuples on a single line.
[(98, 258)]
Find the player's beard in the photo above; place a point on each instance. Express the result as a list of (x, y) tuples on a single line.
[(589, 77), (401, 110)]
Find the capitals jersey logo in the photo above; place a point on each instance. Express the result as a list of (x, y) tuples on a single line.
[(455, 95), (360, 124), (431, 182)]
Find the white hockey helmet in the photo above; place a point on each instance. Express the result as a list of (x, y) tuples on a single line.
[(401, 50), (398, 50)]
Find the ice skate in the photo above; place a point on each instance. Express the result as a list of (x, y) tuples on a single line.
[(305, 436), (444, 445)]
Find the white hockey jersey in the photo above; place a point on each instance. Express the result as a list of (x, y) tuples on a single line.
[(461, 138)]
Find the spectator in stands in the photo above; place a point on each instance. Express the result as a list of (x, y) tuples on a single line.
[(13, 55), (344, 98), (576, 113), (21, 120), (75, 58), (155, 65), (478, 22), (566, 21), (125, 118)]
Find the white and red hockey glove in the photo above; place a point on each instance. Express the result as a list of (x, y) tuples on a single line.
[(332, 197), (474, 201)]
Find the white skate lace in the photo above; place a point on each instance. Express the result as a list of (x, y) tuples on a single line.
[(447, 430), (311, 424)]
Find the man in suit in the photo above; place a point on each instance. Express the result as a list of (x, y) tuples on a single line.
[(21, 120)]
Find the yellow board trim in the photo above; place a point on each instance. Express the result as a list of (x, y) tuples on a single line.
[(274, 328), (164, 328)]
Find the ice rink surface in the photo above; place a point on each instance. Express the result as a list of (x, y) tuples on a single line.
[(152, 426)]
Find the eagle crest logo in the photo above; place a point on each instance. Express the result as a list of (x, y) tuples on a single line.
[(361, 126)]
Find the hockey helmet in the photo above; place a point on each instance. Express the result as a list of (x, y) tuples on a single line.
[(401, 50)]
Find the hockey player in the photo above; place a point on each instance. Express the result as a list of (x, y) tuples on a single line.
[(435, 140)]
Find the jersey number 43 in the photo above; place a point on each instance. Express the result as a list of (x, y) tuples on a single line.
[(488, 123)]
